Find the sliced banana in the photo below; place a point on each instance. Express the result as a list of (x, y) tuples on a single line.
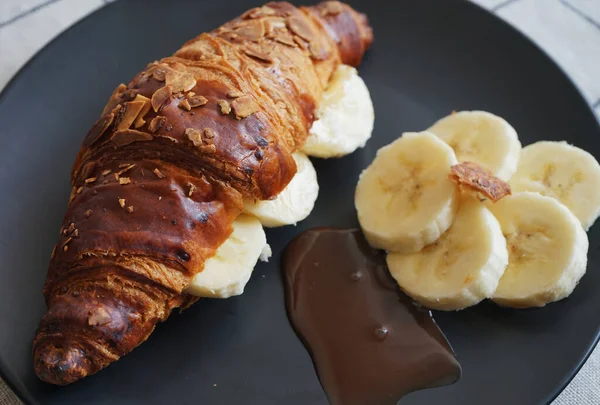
[(405, 199), (461, 268), (294, 203), (227, 272), (481, 137), (565, 172), (345, 117), (547, 250)]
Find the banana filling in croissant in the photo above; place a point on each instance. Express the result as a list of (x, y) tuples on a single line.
[(345, 122)]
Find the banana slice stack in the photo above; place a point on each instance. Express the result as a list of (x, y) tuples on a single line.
[(448, 248)]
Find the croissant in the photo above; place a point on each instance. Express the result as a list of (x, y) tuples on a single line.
[(162, 175)]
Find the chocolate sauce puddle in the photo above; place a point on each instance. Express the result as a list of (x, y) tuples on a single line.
[(370, 345)]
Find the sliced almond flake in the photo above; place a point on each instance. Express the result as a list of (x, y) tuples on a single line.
[(122, 202), (180, 81), (197, 101), (157, 123), (258, 12), (90, 180), (160, 72), (140, 121), (301, 43), (113, 97), (116, 176), (316, 51), (331, 8), (79, 190), (88, 213), (127, 136), (194, 135), (124, 180), (286, 39), (160, 96), (208, 149), (131, 112), (106, 172), (244, 107), (130, 209), (126, 167), (234, 94), (170, 138), (65, 248), (258, 55), (225, 107), (473, 177), (208, 133), (75, 233), (71, 227), (99, 129), (300, 27), (185, 104), (251, 30), (158, 173), (66, 242), (192, 189)]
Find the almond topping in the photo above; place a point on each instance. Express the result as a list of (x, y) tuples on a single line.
[(157, 123), (301, 43), (299, 27), (252, 30), (99, 129), (71, 227), (197, 101), (179, 81), (124, 180), (88, 213), (331, 8), (158, 173), (209, 133), (79, 190), (244, 107), (258, 55), (130, 209), (208, 149), (99, 317), (185, 104), (139, 121), (192, 189), (90, 180), (132, 110), (127, 136), (473, 177), (225, 108), (160, 72), (106, 172), (235, 94), (160, 96), (122, 202), (194, 135)]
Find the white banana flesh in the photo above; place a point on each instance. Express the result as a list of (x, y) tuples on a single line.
[(461, 268), (404, 199), (294, 203), (228, 271), (481, 137), (547, 250), (562, 171), (345, 117)]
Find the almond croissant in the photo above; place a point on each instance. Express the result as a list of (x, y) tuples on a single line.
[(163, 173)]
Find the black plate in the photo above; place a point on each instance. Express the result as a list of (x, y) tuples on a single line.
[(429, 57)]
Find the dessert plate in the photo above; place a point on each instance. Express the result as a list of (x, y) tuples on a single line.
[(429, 57)]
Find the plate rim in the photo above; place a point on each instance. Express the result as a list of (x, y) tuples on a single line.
[(561, 385)]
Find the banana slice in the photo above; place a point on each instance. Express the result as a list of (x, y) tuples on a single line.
[(565, 172), (345, 117), (481, 137), (547, 250), (461, 268), (405, 199), (294, 203), (227, 272)]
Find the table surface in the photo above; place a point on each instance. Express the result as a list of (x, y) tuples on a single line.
[(568, 30)]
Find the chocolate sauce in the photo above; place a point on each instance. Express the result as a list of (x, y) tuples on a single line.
[(369, 343)]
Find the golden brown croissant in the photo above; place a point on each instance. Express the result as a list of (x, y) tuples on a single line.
[(163, 173)]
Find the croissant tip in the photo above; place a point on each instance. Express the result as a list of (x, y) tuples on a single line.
[(61, 365)]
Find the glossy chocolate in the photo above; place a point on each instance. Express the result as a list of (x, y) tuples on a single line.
[(369, 343)]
